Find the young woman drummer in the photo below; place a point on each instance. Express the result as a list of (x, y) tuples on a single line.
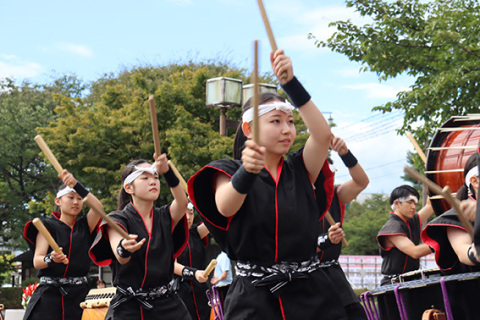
[(142, 267), (63, 286), (329, 241), (264, 210), (448, 237)]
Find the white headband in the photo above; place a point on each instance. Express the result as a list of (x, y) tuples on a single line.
[(65, 191), (137, 173), (190, 206), (264, 108), (472, 173), (403, 199)]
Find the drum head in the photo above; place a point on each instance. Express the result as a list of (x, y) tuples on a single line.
[(455, 141)]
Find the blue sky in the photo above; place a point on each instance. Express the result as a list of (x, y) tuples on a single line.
[(42, 39)]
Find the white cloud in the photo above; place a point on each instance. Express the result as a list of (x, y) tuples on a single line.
[(72, 48), (376, 90), (349, 72), (19, 69), (78, 50), (303, 19), (8, 56)]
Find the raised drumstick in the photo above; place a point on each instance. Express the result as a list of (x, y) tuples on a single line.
[(153, 118), (268, 28), (417, 147), (53, 160), (210, 267), (48, 153), (41, 228), (256, 97)]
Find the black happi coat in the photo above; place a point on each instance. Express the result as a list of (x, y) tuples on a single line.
[(395, 261), (193, 293), (335, 271), (278, 221), (435, 235), (150, 266), (47, 302)]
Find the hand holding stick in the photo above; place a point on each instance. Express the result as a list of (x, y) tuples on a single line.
[(210, 267), (41, 228), (446, 192), (330, 220), (179, 176)]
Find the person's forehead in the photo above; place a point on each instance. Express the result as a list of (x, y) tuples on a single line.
[(277, 113)]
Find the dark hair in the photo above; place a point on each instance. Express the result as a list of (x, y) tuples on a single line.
[(57, 208), (240, 138), (403, 191), (462, 193), (329, 160), (123, 197)]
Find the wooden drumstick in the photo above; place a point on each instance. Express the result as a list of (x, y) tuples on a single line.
[(268, 28), (330, 220), (271, 38), (256, 96), (179, 176), (153, 118), (48, 153), (99, 211), (41, 228), (210, 267), (417, 147), (51, 157), (446, 192)]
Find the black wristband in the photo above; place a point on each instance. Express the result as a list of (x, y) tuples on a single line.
[(122, 252), (296, 92), (431, 249), (170, 178), (242, 180), (48, 259), (471, 256), (188, 273), (323, 242), (349, 159), (80, 189)]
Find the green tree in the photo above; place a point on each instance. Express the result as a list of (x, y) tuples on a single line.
[(435, 42), (23, 174), (362, 223)]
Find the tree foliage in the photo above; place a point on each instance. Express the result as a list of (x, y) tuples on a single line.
[(435, 42), (362, 223), (23, 174)]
